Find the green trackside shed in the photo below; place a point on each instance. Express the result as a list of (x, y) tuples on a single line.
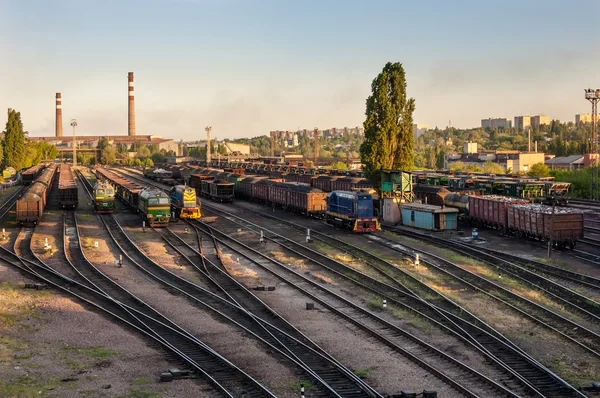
[(397, 183)]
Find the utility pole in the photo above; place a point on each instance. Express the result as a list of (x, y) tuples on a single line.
[(553, 200), (74, 124), (593, 96)]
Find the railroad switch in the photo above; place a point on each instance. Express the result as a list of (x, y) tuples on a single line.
[(36, 286), (176, 374)]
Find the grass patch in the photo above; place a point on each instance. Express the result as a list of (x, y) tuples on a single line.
[(411, 318), (140, 381), (362, 373), (17, 305), (25, 387), (142, 394), (91, 352)]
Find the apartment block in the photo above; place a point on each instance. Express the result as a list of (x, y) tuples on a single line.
[(583, 118), (496, 123), (537, 121), (522, 123)]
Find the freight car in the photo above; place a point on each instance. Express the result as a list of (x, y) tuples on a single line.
[(67, 188), (31, 174), (245, 187), (104, 197), (536, 221), (298, 198), (217, 190), (30, 207), (183, 202), (155, 207), (430, 194), (352, 210), (492, 210), (350, 184)]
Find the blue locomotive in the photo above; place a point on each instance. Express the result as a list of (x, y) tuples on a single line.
[(352, 210)]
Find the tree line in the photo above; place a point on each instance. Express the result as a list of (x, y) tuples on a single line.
[(18, 152)]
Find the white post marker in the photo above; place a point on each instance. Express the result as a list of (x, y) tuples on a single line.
[(301, 390), (144, 225), (96, 244), (307, 235), (384, 304), (262, 237), (417, 260), (3, 234)]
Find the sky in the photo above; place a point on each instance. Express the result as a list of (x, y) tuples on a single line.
[(246, 67)]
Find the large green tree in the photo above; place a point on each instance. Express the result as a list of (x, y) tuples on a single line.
[(13, 144), (389, 140)]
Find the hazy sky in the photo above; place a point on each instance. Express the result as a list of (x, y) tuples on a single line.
[(250, 66)]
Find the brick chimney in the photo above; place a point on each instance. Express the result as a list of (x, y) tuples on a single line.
[(59, 125), (131, 108)]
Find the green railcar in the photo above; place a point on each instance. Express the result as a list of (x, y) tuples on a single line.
[(155, 206), (531, 190)]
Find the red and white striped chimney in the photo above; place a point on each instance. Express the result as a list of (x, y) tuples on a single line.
[(59, 125), (131, 113)]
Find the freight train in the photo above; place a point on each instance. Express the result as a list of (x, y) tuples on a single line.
[(31, 174), (30, 207), (67, 188), (183, 202), (153, 204), (520, 217), (104, 197)]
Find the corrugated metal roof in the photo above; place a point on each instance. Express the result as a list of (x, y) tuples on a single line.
[(566, 159)]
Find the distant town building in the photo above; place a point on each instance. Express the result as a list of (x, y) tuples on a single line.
[(496, 123), (419, 129), (522, 123), (537, 121), (241, 149), (572, 162), (470, 147), (583, 118), (510, 160)]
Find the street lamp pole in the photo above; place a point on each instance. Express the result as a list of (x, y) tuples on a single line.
[(593, 96), (74, 124)]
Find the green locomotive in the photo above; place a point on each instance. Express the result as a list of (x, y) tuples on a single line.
[(104, 197), (155, 206)]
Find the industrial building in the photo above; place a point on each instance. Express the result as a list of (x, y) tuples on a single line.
[(510, 160), (537, 121), (583, 118)]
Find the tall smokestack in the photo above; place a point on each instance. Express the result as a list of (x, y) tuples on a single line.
[(58, 127), (208, 128), (131, 108)]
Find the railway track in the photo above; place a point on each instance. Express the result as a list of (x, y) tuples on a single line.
[(509, 358), (424, 354), (332, 378), (504, 351), (225, 377)]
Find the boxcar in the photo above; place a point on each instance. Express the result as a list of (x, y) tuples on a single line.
[(31, 174), (30, 207), (349, 184), (536, 221), (430, 194), (492, 210), (245, 187), (306, 200), (67, 188)]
